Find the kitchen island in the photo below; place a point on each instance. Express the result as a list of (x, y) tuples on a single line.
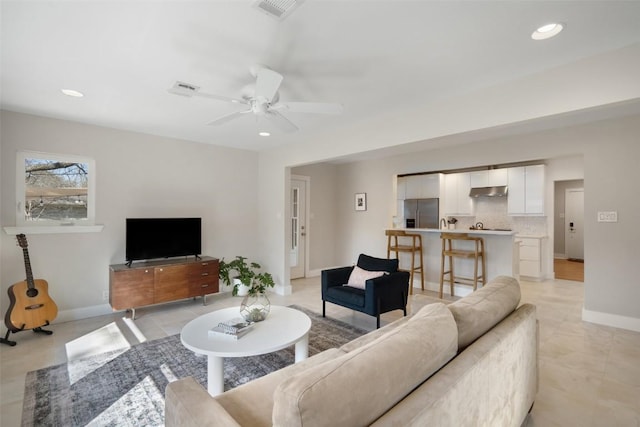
[(501, 252)]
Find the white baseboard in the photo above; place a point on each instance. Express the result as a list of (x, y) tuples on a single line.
[(614, 320), (83, 313), (283, 290), (78, 314), (316, 273)]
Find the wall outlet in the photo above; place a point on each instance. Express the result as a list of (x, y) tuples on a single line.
[(608, 216), (105, 295)]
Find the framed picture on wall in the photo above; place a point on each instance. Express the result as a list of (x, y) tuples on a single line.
[(361, 201)]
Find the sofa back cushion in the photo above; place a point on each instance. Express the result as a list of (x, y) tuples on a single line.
[(358, 387), (370, 263), (480, 311)]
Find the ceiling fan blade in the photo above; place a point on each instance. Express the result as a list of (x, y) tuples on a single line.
[(227, 118), (281, 121), (190, 93), (310, 107), (220, 98), (267, 83)]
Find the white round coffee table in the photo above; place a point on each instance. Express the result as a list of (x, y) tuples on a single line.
[(283, 327)]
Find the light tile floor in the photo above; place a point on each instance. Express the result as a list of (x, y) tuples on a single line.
[(589, 374)]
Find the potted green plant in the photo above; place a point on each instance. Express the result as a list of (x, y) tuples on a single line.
[(245, 273)]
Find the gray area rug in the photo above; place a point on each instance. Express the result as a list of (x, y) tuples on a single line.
[(126, 387)]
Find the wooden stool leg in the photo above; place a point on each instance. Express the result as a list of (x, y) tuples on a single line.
[(442, 256), (421, 268), (484, 265), (475, 270), (452, 276), (413, 258)]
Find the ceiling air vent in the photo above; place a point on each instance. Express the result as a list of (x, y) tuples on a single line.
[(278, 9)]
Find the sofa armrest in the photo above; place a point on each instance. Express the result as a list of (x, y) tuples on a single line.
[(187, 403), (385, 293), (387, 288), (335, 277)]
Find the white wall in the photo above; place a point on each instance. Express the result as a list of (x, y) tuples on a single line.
[(137, 175), (603, 153)]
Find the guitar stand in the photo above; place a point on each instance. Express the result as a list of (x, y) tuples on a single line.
[(39, 330)]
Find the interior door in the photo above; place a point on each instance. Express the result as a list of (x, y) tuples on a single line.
[(574, 230), (298, 228)]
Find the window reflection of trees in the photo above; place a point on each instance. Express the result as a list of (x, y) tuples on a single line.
[(55, 190)]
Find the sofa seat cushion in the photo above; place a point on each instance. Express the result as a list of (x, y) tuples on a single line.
[(480, 311), (358, 387), (251, 404), (346, 295)]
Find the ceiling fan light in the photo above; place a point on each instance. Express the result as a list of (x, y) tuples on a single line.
[(71, 92), (547, 31)]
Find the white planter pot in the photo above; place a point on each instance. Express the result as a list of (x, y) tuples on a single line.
[(243, 289)]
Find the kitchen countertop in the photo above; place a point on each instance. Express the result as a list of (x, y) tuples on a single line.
[(460, 230)]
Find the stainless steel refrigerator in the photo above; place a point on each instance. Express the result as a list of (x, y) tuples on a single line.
[(422, 213)]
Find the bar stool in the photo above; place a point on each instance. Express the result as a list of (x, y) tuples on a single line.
[(477, 254), (398, 241)]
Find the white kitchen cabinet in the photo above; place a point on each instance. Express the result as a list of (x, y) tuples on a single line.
[(516, 194), (414, 182), (489, 178), (498, 177), (431, 186), (456, 197), (534, 189), (401, 188), (531, 257), (449, 199), (526, 190), (421, 186), (479, 179)]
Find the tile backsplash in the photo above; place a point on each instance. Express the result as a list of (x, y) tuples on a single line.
[(492, 213)]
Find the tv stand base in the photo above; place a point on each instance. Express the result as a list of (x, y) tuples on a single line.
[(155, 282)]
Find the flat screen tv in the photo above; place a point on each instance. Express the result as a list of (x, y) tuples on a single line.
[(149, 238)]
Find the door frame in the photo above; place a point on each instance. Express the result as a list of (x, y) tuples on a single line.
[(307, 208)]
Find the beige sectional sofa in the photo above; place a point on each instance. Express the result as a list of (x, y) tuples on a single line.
[(469, 363)]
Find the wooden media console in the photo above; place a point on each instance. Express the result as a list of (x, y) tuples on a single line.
[(154, 282)]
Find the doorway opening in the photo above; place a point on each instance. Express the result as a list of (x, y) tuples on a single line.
[(299, 227), (569, 230)]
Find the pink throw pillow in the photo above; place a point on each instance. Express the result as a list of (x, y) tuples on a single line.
[(359, 276)]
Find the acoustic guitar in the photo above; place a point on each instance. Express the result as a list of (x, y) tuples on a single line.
[(30, 306)]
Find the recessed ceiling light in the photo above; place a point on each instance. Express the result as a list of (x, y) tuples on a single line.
[(264, 134), (71, 92), (547, 31)]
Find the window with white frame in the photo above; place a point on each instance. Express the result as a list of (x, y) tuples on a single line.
[(55, 189)]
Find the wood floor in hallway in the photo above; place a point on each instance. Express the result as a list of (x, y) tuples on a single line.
[(569, 270)]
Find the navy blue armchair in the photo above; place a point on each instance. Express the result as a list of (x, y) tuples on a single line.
[(382, 294)]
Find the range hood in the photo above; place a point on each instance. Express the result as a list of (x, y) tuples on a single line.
[(497, 191)]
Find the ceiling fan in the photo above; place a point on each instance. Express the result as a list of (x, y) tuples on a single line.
[(262, 102)]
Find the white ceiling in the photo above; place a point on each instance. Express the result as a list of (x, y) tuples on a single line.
[(374, 57)]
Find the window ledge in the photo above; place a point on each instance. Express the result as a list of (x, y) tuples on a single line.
[(54, 229)]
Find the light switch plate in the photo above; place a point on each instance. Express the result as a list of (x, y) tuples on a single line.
[(608, 216)]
